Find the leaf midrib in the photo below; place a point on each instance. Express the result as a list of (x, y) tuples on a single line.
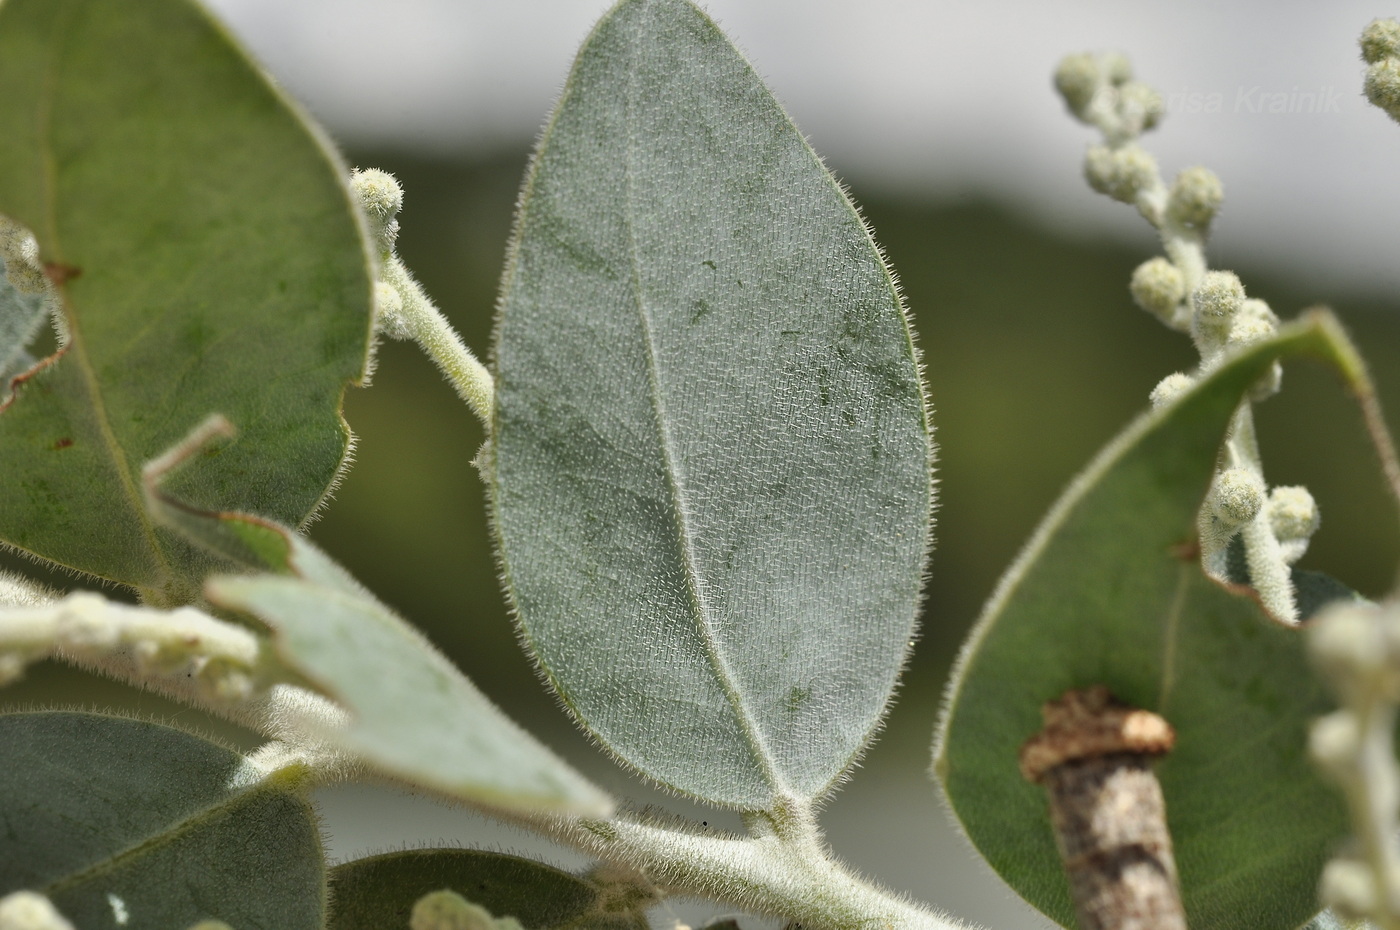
[(157, 841), (719, 665)]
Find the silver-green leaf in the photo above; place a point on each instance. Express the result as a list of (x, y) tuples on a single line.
[(126, 823), (711, 465)]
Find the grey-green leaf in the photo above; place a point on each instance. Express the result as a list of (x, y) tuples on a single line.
[(710, 471), (414, 715), (21, 316), (123, 822), (208, 258), (380, 891), (1109, 592)]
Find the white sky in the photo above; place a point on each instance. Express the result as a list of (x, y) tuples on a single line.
[(951, 98)]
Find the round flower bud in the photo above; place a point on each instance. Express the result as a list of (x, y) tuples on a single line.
[(378, 192), (1116, 68), (1382, 86), (1195, 197), (1293, 512), (1170, 388), (388, 312), (1078, 79), (447, 910), (1380, 40), (19, 251), (1158, 287), (1237, 497), (1255, 309), (29, 910), (1334, 741), (380, 198), (1216, 300), (1140, 105), (1247, 330), (1120, 173), (1347, 642), (1348, 888)]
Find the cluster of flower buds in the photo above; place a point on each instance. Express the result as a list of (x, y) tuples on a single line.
[(1357, 647), (185, 644), (1211, 306), (1380, 49)]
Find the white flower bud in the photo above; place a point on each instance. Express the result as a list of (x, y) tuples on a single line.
[(1247, 330), (1195, 197), (1382, 86), (1215, 302), (19, 251), (1380, 40), (1077, 79), (1140, 106), (1116, 68), (1334, 742), (1237, 496), (29, 910), (1256, 309), (1293, 512), (378, 192), (1120, 173), (12, 664), (380, 198), (1170, 388), (1158, 287), (447, 910), (388, 312), (1346, 886), (1346, 639)]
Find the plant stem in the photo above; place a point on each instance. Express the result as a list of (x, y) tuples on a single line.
[(783, 870), (426, 325)]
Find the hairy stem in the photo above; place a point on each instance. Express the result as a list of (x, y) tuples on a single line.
[(426, 325), (783, 869)]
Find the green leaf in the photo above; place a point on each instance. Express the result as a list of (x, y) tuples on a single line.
[(379, 892), (1109, 592), (710, 472), (109, 817), (209, 259), (414, 715)]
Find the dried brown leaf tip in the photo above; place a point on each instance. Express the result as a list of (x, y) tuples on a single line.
[(1089, 723), (1106, 808)]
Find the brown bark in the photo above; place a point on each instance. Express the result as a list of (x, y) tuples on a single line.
[(1094, 759)]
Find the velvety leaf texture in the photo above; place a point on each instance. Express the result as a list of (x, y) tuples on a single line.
[(21, 316), (208, 259), (380, 891), (711, 460), (414, 716), (1109, 592), (126, 823)]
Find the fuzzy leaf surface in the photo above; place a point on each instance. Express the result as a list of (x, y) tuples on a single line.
[(209, 259), (414, 715), (123, 822), (21, 316), (710, 471), (1109, 592), (380, 891)]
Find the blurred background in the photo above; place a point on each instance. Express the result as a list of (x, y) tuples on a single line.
[(942, 121)]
